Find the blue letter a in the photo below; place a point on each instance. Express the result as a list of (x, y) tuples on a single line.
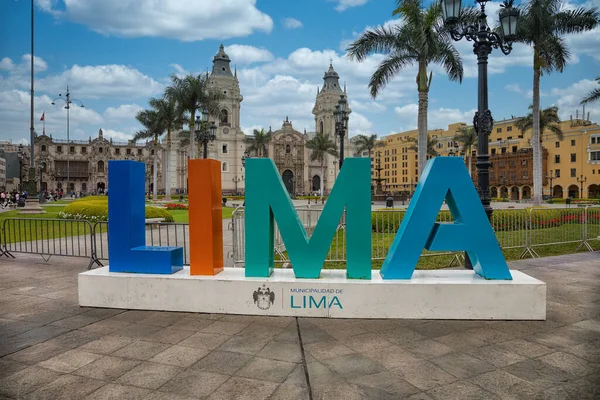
[(267, 199), (445, 178)]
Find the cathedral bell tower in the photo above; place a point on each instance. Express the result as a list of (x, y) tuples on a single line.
[(327, 98)]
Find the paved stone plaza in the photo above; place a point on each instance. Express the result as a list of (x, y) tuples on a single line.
[(52, 349)]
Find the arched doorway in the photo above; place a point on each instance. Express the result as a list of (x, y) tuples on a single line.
[(526, 192), (593, 191), (557, 192), (100, 187), (494, 192), (514, 193), (573, 191), (504, 192), (316, 183), (288, 180)]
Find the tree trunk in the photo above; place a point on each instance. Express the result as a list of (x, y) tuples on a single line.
[(322, 172), (155, 173), (192, 135), (536, 135), (168, 166), (423, 88)]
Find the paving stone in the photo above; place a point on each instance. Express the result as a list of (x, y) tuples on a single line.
[(107, 368), (167, 396), (69, 361), (66, 387), (29, 338), (319, 374), (297, 377), (106, 344), (16, 327), (25, 381), (461, 390), (170, 335), (261, 331), (266, 370), (131, 316), (428, 348), (569, 363), (496, 355), (282, 352), (290, 392), (420, 396), (244, 389), (141, 350), (106, 326), (377, 325), (387, 382), (196, 383), (149, 375), (222, 362), (37, 353), (462, 365), (311, 334), (337, 390), (289, 335), (539, 373), (247, 345), (366, 341), (581, 389), (202, 340), (137, 331), (281, 322), (460, 341), (401, 336), (352, 365), (225, 328), (114, 391), (9, 367), (74, 339), (192, 324), (432, 329), (179, 356), (588, 351), (393, 356), (423, 375), (505, 385), (590, 324), (76, 321), (162, 319), (525, 348), (330, 349)]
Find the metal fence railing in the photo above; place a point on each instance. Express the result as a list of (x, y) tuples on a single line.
[(525, 229)]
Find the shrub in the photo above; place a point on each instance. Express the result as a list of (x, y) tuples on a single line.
[(95, 210), (177, 206)]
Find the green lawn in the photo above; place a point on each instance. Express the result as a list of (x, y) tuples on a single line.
[(183, 215)]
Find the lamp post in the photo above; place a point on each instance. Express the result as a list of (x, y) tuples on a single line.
[(341, 123), (581, 180), (20, 155), (204, 133), (41, 166), (551, 178), (484, 40), (68, 101)]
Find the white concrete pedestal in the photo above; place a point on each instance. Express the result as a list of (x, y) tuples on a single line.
[(435, 294)]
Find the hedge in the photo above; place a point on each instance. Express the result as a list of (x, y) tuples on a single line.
[(502, 220), (95, 208)]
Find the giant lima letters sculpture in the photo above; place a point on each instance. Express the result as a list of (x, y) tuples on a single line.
[(267, 202)]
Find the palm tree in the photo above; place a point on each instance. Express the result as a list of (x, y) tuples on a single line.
[(172, 120), (468, 138), (593, 96), (421, 39), (321, 145), (431, 143), (548, 120), (542, 25), (259, 142), (153, 128), (192, 93), (365, 143)]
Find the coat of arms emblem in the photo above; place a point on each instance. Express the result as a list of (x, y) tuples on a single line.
[(263, 297)]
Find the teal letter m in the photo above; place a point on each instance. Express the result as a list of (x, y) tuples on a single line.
[(267, 201)]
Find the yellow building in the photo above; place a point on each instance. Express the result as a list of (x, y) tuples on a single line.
[(571, 166)]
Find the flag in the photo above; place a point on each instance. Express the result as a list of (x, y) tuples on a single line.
[(41, 119)]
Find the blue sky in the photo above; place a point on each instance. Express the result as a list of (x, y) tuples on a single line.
[(115, 54)]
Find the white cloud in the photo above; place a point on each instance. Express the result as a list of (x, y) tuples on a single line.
[(102, 81), (6, 64), (436, 118), (291, 23), (123, 112), (186, 20), (17, 76), (568, 99), (117, 135), (244, 54), (346, 4), (359, 124)]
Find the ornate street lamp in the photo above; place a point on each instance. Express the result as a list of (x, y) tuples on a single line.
[(581, 181), (484, 41), (41, 166), (20, 154), (204, 133), (68, 101), (341, 123), (551, 177)]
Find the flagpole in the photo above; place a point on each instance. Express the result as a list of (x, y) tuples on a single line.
[(44, 119)]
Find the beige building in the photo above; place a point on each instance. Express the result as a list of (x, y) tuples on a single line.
[(2, 174), (573, 163)]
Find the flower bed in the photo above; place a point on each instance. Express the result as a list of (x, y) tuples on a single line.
[(95, 209), (176, 206)]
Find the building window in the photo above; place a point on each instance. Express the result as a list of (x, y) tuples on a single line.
[(524, 163), (84, 187), (557, 144), (128, 152), (595, 156), (504, 150), (493, 151), (557, 159), (224, 167), (509, 138), (84, 150), (117, 151), (100, 150), (43, 147), (573, 142), (573, 157), (509, 129), (321, 127), (524, 174), (573, 172), (72, 149), (151, 152), (557, 173), (288, 149), (595, 139), (100, 166), (224, 148), (224, 117), (499, 130), (139, 152), (514, 149), (59, 149)]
